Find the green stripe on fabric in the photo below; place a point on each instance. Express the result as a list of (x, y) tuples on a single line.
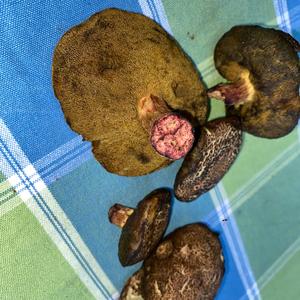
[(9, 198), (285, 285), (2, 177), (198, 25), (256, 154), (269, 221), (31, 265)]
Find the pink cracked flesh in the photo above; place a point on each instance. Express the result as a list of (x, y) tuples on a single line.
[(172, 136)]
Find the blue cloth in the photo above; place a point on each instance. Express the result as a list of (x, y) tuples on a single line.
[(53, 170)]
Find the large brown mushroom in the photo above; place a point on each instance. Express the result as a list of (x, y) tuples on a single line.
[(210, 159), (132, 289), (142, 227), (263, 68), (188, 264), (123, 83)]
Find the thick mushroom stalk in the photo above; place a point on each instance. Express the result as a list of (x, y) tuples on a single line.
[(171, 135), (118, 214), (234, 93)]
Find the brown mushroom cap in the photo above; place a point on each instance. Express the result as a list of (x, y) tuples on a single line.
[(188, 264), (210, 159), (264, 69), (144, 227), (132, 288), (103, 67)]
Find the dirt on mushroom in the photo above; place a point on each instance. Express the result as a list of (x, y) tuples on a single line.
[(103, 67), (263, 68), (188, 264)]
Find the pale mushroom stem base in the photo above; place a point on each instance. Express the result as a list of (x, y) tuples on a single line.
[(234, 93), (118, 214)]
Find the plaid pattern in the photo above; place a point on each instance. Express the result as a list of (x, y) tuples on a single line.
[(55, 241)]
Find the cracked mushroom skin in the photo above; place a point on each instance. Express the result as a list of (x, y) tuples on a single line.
[(142, 227), (188, 264), (206, 164), (262, 67), (104, 68)]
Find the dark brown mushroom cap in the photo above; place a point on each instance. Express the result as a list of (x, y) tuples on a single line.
[(268, 60), (210, 159), (188, 264), (102, 67), (145, 227), (132, 288)]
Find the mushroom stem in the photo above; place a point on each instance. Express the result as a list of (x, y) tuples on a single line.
[(118, 214), (171, 135), (233, 93)]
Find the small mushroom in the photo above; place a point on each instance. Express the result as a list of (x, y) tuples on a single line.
[(188, 264), (263, 68), (210, 159), (142, 227), (120, 78)]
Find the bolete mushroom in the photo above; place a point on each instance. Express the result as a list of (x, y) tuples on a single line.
[(142, 227), (124, 84), (210, 159), (132, 289), (188, 264), (263, 68)]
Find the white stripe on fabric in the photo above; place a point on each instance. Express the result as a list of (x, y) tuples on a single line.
[(282, 13), (146, 8), (234, 240), (154, 9), (264, 175), (66, 167), (41, 202), (116, 296), (62, 160), (59, 152), (279, 263), (56, 164), (207, 66), (10, 205), (162, 15), (257, 183)]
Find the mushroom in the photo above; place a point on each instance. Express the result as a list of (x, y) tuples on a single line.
[(209, 160), (188, 264), (263, 68), (126, 85), (132, 289), (142, 227)]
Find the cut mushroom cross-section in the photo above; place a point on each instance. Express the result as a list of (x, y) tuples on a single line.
[(103, 71)]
